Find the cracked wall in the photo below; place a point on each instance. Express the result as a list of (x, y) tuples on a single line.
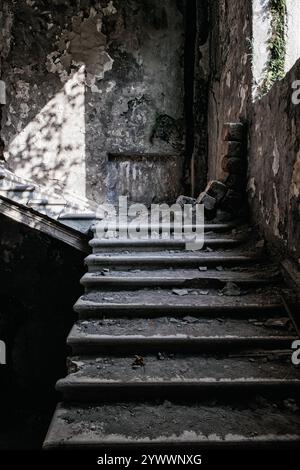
[(230, 86), (115, 65), (274, 165)]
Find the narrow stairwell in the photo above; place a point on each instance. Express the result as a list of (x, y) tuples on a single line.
[(176, 349)]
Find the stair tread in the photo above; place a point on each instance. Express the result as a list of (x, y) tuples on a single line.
[(189, 299), (170, 241), (172, 423), (259, 366), (171, 258), (189, 327), (257, 274), (226, 226)]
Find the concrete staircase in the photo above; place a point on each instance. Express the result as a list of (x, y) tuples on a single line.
[(176, 349), (62, 216)]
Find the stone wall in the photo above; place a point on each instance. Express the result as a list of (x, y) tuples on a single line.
[(274, 164), (89, 78), (230, 87)]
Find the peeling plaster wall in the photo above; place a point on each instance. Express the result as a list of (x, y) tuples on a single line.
[(88, 78), (274, 164), (230, 87)]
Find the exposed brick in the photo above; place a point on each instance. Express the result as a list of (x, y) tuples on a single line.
[(232, 149), (233, 131), (234, 165)]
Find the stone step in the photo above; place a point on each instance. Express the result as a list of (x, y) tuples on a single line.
[(163, 375), (17, 188), (165, 259), (257, 275), (78, 215), (140, 335), (163, 227), (111, 245), (155, 302), (51, 210), (256, 423), (47, 202)]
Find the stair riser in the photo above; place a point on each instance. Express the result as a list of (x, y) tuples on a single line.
[(158, 228), (139, 283), (144, 345), (190, 390), (134, 263), (152, 311), (169, 245)]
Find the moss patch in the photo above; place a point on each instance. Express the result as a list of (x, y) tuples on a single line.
[(276, 44)]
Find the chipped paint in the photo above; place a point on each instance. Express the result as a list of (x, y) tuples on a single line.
[(276, 161), (295, 186), (252, 187), (84, 45)]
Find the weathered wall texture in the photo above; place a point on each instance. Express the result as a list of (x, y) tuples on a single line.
[(90, 77), (230, 88), (274, 164), (39, 285)]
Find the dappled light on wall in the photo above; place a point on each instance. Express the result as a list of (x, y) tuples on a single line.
[(51, 148)]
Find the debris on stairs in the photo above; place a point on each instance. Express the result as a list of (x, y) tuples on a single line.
[(178, 349)]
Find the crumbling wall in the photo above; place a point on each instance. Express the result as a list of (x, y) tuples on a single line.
[(274, 163), (230, 87), (87, 78)]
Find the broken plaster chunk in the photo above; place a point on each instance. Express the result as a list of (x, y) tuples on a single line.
[(180, 292), (231, 289), (216, 189), (277, 323), (203, 292), (184, 200), (189, 319)]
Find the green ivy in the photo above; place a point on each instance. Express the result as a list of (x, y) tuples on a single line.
[(276, 44)]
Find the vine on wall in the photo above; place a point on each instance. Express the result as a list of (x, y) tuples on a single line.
[(276, 44)]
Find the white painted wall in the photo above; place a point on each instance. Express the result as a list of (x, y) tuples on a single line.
[(261, 34), (293, 33)]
